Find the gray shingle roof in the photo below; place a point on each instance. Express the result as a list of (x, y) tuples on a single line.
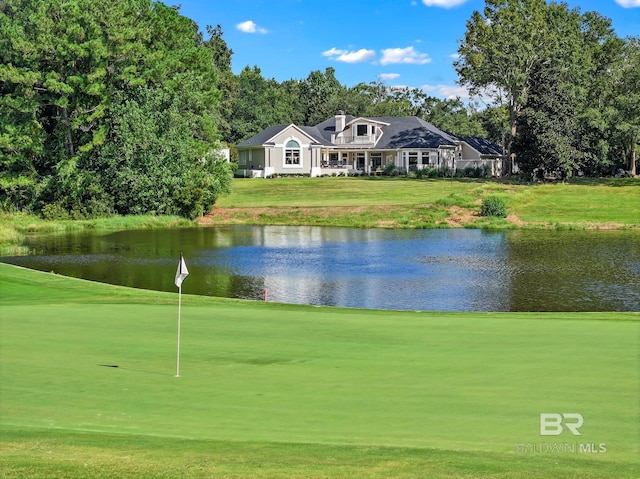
[(412, 132), (482, 145), (265, 135), (313, 132), (261, 138), (400, 132)]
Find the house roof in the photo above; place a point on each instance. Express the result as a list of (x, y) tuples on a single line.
[(268, 133), (482, 145), (313, 132), (397, 133), (264, 136), (412, 132)]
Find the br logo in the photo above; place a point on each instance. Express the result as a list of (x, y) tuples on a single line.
[(552, 424)]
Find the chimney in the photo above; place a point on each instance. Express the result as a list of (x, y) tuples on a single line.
[(340, 121)]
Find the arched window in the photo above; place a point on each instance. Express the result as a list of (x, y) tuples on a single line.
[(292, 153)]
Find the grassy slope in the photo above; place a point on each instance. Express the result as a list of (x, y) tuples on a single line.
[(405, 200), (380, 202), (283, 390)]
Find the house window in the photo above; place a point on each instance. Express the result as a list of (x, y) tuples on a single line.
[(362, 130), (292, 153), (413, 160)]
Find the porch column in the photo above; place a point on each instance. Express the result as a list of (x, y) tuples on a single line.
[(315, 162), (268, 169)]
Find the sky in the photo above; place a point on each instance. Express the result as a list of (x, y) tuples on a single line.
[(409, 43)]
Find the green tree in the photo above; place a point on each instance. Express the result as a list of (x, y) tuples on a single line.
[(546, 140), (151, 163), (625, 103), (499, 52), (454, 116), (317, 95), (66, 70), (251, 111), (551, 67), (227, 81), (383, 100)]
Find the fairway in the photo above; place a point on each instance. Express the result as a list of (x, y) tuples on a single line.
[(422, 389)]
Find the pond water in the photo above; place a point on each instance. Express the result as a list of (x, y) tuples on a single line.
[(441, 270)]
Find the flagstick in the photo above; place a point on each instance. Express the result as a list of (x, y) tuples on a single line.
[(181, 274), (179, 308)]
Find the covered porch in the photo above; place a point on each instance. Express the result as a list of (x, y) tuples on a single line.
[(356, 161), (368, 162)]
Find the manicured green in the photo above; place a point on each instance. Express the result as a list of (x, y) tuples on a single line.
[(273, 390)]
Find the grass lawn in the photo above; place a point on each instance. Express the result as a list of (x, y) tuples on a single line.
[(428, 203), (380, 202), (273, 390)]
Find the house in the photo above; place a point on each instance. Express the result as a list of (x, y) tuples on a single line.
[(356, 145)]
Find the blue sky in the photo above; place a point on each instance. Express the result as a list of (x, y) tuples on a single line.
[(401, 42)]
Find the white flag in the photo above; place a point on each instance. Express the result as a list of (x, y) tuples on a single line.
[(182, 272)]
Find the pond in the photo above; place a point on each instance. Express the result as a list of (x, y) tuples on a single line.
[(440, 270)]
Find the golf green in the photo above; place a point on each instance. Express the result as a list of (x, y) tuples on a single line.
[(82, 357)]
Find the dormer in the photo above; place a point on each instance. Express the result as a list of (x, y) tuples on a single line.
[(362, 132)]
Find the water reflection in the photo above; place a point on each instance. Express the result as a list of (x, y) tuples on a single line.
[(445, 270)]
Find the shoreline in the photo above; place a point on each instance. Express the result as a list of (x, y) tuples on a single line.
[(390, 203), (321, 216)]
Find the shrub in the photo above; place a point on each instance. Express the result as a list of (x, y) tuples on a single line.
[(390, 170), (493, 206), (55, 211)]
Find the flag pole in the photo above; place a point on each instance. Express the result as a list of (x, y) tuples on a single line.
[(179, 310), (181, 274)]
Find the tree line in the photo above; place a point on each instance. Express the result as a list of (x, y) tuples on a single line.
[(107, 107), (569, 87), (121, 107), (563, 91)]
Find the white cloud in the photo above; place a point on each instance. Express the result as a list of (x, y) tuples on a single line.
[(403, 55), (454, 91), (448, 91), (333, 52), (250, 27), (389, 76), (346, 56), (455, 56), (628, 3), (446, 3)]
